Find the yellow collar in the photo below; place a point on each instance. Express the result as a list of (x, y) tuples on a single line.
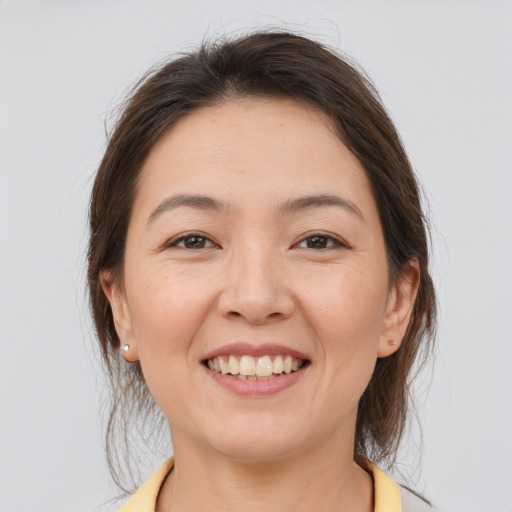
[(387, 491)]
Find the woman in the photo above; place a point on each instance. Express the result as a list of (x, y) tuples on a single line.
[(258, 257)]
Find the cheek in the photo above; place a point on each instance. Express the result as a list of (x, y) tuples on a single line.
[(349, 304), (166, 319), (347, 312), (166, 314), (164, 306)]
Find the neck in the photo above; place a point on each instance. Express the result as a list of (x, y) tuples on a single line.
[(298, 482)]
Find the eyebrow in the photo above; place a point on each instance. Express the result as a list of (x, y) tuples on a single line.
[(315, 201), (192, 201), (207, 203)]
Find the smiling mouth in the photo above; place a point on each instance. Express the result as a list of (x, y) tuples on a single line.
[(246, 367)]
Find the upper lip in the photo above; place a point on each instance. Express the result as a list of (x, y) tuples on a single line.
[(243, 348)]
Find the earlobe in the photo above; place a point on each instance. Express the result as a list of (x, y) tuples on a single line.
[(400, 305), (121, 314)]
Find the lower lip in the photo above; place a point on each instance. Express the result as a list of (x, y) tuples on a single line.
[(256, 387)]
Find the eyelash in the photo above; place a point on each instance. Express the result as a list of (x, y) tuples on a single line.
[(332, 241), (186, 236)]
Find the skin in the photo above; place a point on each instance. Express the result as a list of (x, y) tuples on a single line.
[(257, 276)]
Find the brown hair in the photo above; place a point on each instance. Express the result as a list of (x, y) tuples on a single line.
[(264, 63)]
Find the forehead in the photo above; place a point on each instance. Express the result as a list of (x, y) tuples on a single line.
[(253, 149)]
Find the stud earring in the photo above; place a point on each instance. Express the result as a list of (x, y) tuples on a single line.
[(126, 348), (392, 343)]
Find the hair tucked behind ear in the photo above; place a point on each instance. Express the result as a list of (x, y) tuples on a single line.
[(262, 64)]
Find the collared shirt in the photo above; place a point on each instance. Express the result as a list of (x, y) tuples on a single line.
[(389, 496)]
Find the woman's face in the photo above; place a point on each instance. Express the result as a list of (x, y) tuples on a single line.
[(255, 248)]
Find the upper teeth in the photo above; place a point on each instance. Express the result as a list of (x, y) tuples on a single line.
[(263, 366)]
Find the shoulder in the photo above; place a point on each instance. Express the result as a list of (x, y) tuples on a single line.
[(391, 497), (144, 499), (413, 503)]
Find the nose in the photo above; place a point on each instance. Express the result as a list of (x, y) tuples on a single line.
[(255, 288)]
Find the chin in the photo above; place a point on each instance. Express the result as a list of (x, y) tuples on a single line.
[(257, 450), (262, 441)]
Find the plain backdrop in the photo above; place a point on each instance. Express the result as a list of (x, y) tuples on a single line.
[(444, 69)]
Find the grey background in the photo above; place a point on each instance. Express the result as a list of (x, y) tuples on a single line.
[(444, 71)]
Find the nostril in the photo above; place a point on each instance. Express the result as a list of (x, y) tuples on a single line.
[(256, 300)]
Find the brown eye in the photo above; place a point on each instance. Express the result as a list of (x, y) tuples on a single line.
[(316, 242), (192, 242), (320, 242)]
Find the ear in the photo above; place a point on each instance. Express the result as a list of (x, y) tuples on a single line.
[(121, 313), (399, 307)]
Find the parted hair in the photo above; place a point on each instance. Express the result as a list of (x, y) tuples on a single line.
[(265, 63)]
